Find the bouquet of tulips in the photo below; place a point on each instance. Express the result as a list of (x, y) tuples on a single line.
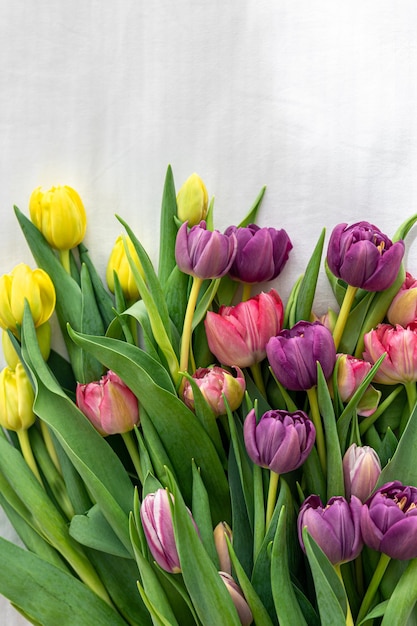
[(199, 453)]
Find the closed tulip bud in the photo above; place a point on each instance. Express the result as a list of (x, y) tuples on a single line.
[(335, 527), (389, 521), (293, 355), (242, 607), (237, 335), (261, 253), (361, 470), (400, 347), (16, 399), (192, 201), (109, 404), (363, 256), (119, 263), (22, 284), (350, 374), (60, 216), (220, 532), (43, 334), (204, 253), (216, 383), (156, 517), (280, 441), (403, 308)]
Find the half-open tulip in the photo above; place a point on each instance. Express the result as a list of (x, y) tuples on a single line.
[(216, 383), (350, 374), (204, 253), (400, 347), (192, 201), (237, 335)]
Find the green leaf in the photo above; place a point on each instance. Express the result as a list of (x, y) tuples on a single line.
[(399, 467), (102, 296), (307, 288), (403, 230), (202, 515), (168, 229), (403, 598), (253, 211), (91, 323), (92, 530)]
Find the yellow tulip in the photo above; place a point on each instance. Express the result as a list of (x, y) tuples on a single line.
[(192, 201), (119, 263), (60, 216), (22, 284), (16, 399), (43, 334)]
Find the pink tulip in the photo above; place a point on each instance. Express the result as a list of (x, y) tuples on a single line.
[(361, 470), (400, 346), (216, 383), (403, 309), (237, 335), (350, 374), (109, 404)]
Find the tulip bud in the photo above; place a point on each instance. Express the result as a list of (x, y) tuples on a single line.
[(350, 374), (22, 284), (361, 470), (261, 253), (280, 441), (60, 216), (220, 532), (192, 201), (156, 517), (119, 263), (403, 308), (204, 253), (237, 335), (334, 527), (400, 347), (242, 607), (389, 521), (293, 355), (363, 256), (109, 405), (43, 334), (16, 399), (215, 383)]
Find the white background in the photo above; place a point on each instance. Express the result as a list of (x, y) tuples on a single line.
[(316, 100)]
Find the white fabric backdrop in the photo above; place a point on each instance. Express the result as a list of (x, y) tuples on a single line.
[(317, 100)]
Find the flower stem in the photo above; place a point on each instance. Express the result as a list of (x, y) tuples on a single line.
[(64, 256), (344, 314), (50, 446), (27, 453), (272, 497), (133, 453), (368, 421), (257, 377), (349, 618), (188, 321), (411, 391), (247, 290), (259, 511), (316, 417), (384, 559)]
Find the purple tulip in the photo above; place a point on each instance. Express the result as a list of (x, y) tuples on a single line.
[(334, 527), (363, 256), (156, 517), (204, 253), (280, 441), (261, 253), (389, 521), (294, 353)]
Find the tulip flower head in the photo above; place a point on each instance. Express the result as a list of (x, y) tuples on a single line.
[(237, 335), (242, 607), (22, 284), (350, 374), (16, 399), (220, 532), (118, 262), (403, 308), (156, 517), (60, 216), (280, 441), (389, 521), (261, 253), (334, 527), (216, 383), (400, 346), (363, 256), (109, 404), (361, 470), (293, 355), (192, 201), (204, 253)]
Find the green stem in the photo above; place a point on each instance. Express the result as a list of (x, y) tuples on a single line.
[(188, 321), (247, 290), (272, 497), (410, 389), (316, 417), (349, 618), (257, 377), (133, 453), (384, 559), (368, 421), (50, 446), (344, 314), (27, 453), (259, 511), (64, 256)]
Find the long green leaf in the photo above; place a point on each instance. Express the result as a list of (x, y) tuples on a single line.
[(307, 288), (168, 229)]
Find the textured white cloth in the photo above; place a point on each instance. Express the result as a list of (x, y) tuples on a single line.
[(316, 100)]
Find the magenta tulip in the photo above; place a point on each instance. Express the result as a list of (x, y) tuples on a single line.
[(400, 346), (403, 308), (261, 253), (350, 374), (363, 256), (389, 521), (216, 384), (334, 527), (361, 470), (109, 404), (237, 335), (280, 441)]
